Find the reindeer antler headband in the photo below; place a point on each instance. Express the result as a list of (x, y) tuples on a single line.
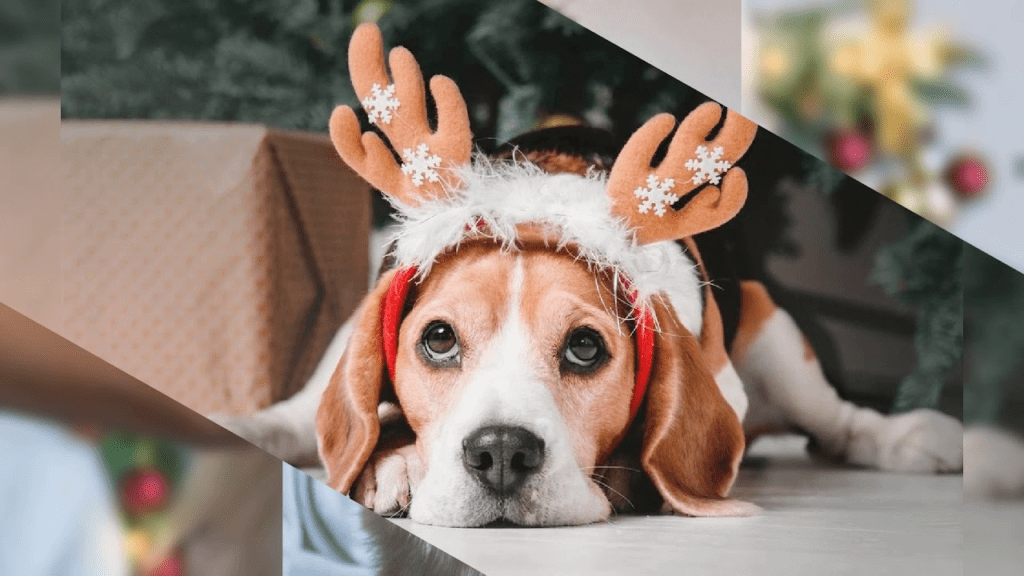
[(444, 195)]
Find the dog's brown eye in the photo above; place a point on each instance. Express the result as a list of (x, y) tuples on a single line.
[(584, 349), (440, 343)]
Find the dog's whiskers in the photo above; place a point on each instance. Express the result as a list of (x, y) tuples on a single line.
[(612, 468), (400, 512), (606, 486)]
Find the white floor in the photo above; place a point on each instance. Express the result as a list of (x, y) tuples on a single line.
[(994, 538), (818, 519)]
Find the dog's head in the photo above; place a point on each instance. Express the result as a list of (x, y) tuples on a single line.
[(528, 315)]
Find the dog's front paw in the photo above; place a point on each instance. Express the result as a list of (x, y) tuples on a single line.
[(921, 441), (389, 480), (994, 466)]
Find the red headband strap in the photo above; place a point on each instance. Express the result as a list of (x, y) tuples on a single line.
[(394, 303), (644, 346)]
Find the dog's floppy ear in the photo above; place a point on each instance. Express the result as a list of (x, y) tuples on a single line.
[(347, 425), (693, 440)]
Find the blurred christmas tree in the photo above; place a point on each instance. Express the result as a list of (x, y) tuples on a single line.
[(994, 326), (283, 62), (924, 270), (29, 47)]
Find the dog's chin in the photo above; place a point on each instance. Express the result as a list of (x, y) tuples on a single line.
[(533, 506)]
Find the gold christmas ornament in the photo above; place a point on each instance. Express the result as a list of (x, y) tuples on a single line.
[(887, 61), (846, 59), (137, 544), (774, 63)]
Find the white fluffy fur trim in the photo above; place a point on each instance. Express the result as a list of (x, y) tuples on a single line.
[(575, 209)]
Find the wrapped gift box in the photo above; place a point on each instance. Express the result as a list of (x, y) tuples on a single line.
[(212, 261), (30, 189)]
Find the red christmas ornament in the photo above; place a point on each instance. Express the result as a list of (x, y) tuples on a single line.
[(171, 566), (848, 151), (143, 490), (967, 175)]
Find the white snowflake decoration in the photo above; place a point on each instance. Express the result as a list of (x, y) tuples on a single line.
[(380, 103), (707, 165), (656, 195), (420, 164)]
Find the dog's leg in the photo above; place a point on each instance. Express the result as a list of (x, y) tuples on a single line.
[(780, 369), (287, 429), (394, 471)]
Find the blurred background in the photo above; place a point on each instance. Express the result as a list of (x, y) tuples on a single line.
[(85, 499), (283, 63), (101, 474)]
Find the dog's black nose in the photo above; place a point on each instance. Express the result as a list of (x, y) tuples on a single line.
[(502, 457)]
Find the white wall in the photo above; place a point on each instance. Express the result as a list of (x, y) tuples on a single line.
[(696, 41)]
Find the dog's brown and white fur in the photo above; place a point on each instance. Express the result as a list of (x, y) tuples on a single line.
[(511, 309)]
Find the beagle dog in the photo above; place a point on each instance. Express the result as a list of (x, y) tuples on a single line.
[(545, 344)]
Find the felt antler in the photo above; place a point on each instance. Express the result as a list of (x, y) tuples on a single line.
[(644, 195), (399, 109)]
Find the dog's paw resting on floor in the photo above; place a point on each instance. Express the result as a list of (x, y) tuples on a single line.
[(993, 463), (921, 441), (389, 480), (394, 471)]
